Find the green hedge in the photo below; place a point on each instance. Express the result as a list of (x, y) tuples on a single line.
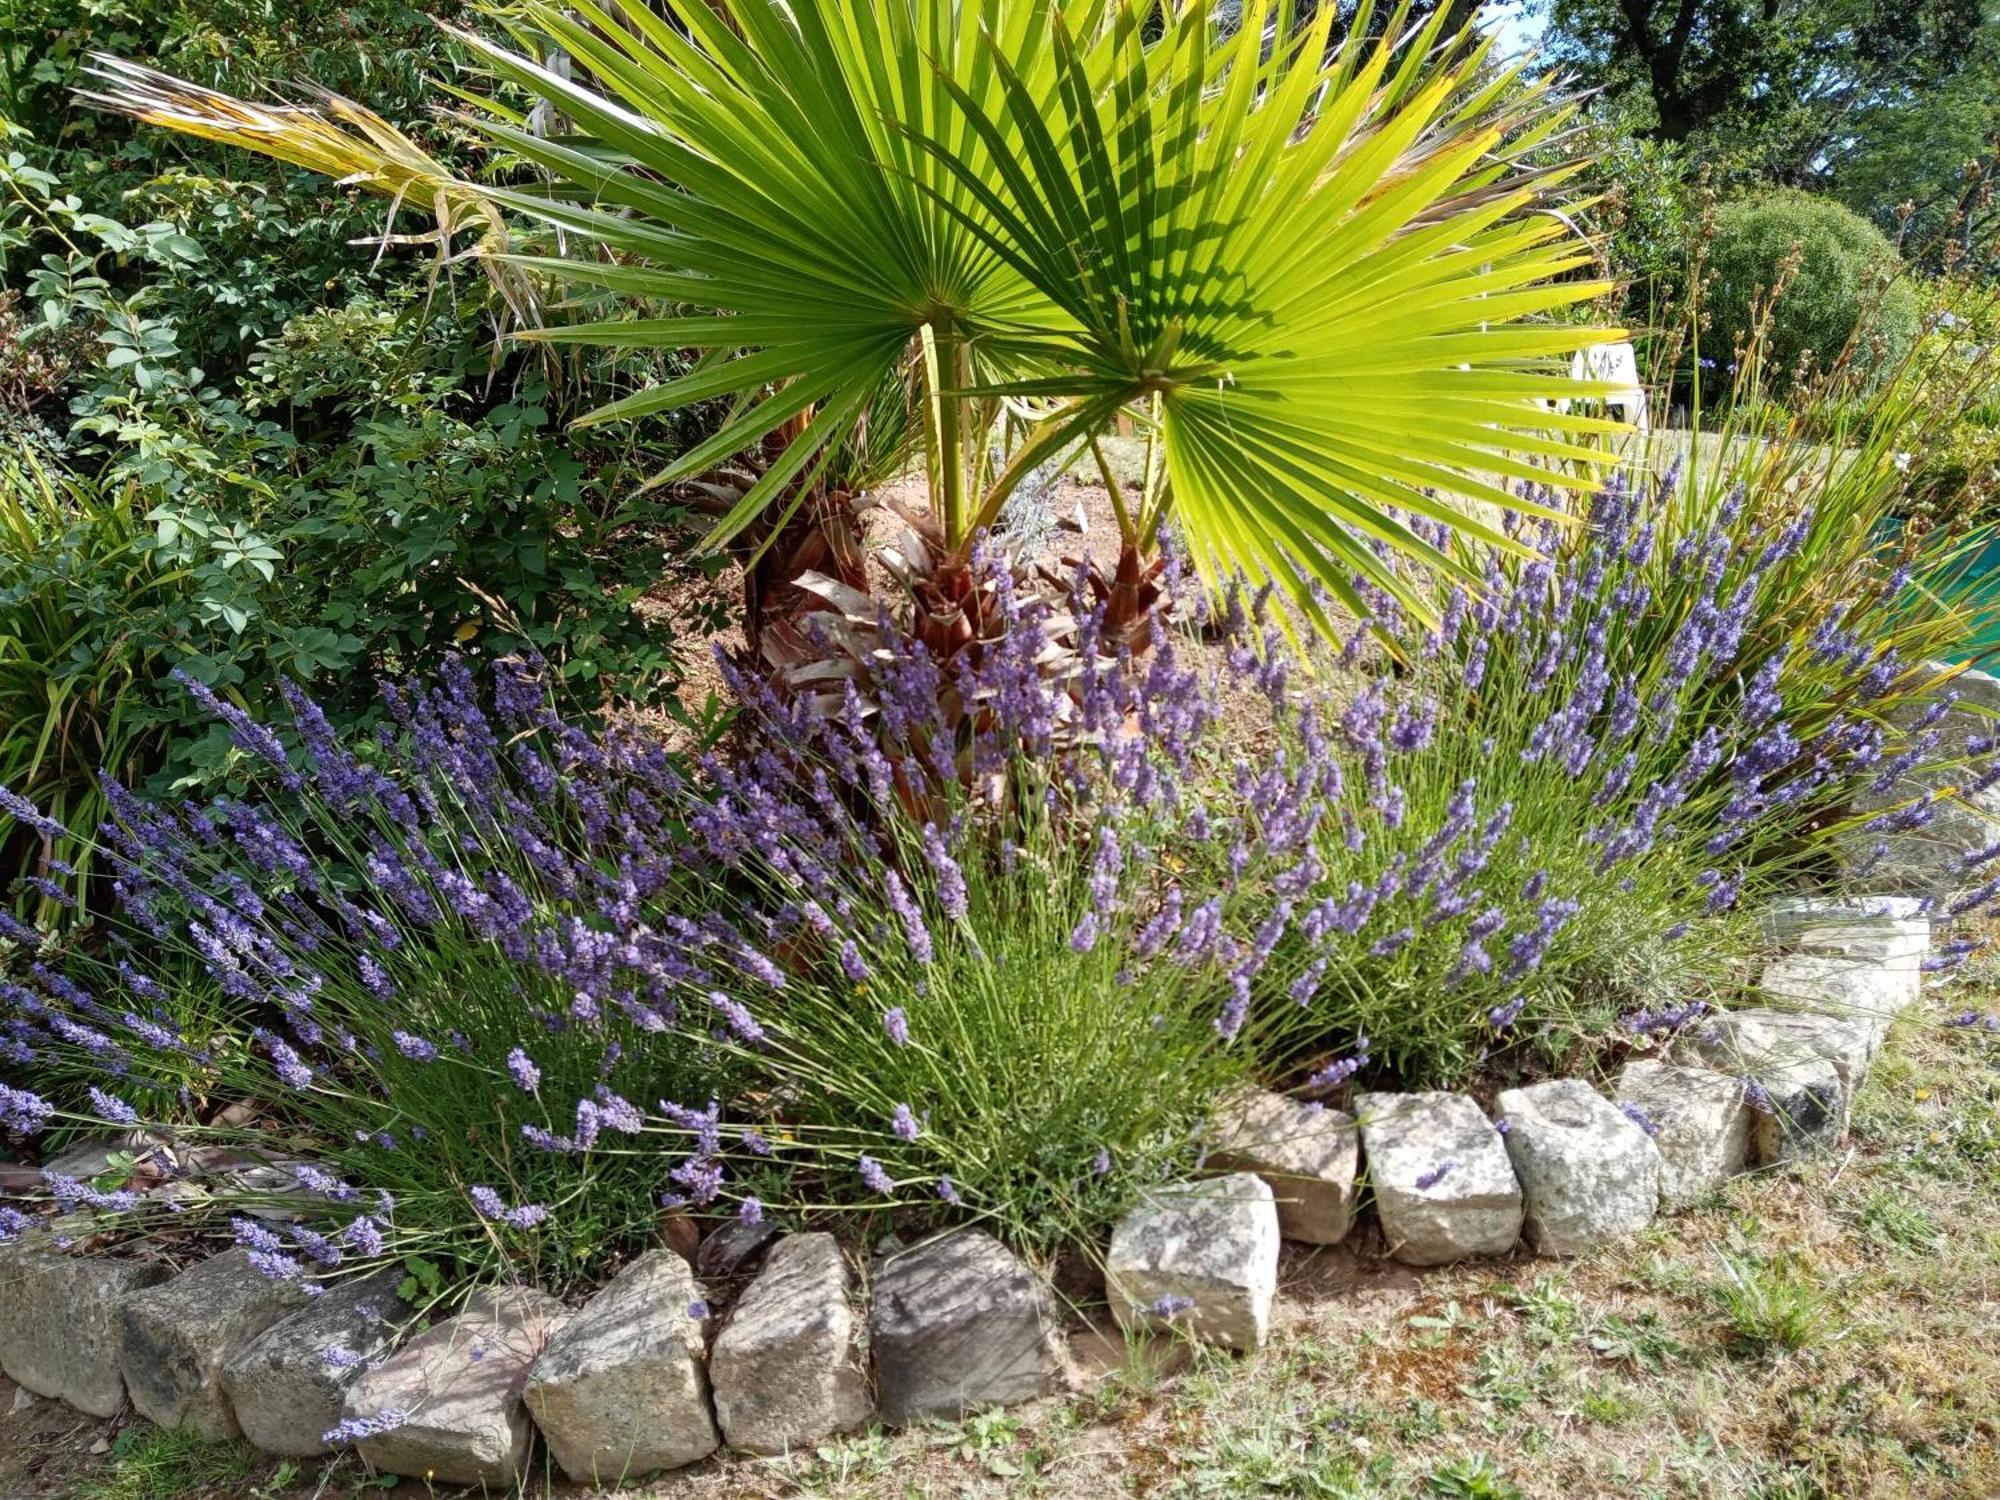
[(1839, 284)]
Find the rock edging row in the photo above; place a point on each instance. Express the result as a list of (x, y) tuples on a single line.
[(631, 1384)]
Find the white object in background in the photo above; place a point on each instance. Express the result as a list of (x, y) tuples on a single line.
[(1616, 365)]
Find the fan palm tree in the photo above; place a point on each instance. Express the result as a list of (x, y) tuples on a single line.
[(1327, 283)]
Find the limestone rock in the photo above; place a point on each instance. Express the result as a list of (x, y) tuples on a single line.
[(448, 1405), (788, 1368), (1703, 1125), (288, 1385), (730, 1248), (1800, 1108), (1885, 928), (1870, 991), (59, 1322), (1201, 1257), (622, 1389), (1589, 1173), (1444, 1187), (958, 1323), (1761, 1042), (1307, 1154), (177, 1336)]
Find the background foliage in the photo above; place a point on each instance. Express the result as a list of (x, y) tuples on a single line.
[(302, 452)]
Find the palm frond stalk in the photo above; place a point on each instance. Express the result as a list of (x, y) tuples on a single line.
[(343, 140)]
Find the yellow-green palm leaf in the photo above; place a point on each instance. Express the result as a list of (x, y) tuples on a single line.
[(1329, 280)]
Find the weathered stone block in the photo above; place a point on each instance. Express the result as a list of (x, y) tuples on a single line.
[(1444, 1187), (1801, 1109), (788, 1368), (1703, 1125), (1309, 1156), (958, 1323), (1589, 1173), (177, 1336), (1755, 1043), (1201, 1258), (622, 1390), (288, 1385), (449, 1402), (1892, 929), (59, 1321), (1870, 991)]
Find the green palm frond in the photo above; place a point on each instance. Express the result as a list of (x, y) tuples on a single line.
[(1335, 283), (1328, 269)]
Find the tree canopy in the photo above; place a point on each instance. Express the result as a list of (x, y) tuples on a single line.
[(1880, 104)]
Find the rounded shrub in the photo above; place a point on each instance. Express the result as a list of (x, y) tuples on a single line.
[(1845, 278)]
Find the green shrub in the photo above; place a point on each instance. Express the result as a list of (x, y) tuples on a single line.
[(369, 494), (1832, 270), (276, 240), (388, 521), (87, 611)]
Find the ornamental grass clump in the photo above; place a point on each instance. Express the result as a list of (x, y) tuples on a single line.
[(996, 1000)]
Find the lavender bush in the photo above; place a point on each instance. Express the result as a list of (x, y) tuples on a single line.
[(986, 943), (503, 993), (445, 974), (1549, 819)]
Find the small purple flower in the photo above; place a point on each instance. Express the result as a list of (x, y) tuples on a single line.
[(527, 1077), (1428, 1180), (363, 1236), (415, 1047), (318, 1180), (23, 1112), (875, 1176), (492, 1206), (355, 1429), (1639, 1117), (111, 1108)]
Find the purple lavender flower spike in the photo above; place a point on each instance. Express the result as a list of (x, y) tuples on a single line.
[(876, 1176), (1428, 1180)]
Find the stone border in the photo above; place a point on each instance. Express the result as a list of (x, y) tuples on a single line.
[(632, 1383)]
